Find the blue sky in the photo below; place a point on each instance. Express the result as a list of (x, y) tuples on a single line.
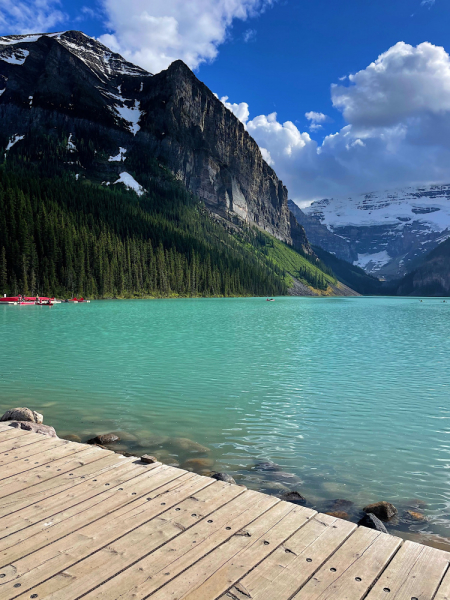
[(282, 56)]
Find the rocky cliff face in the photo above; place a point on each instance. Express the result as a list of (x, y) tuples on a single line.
[(431, 277), (69, 84)]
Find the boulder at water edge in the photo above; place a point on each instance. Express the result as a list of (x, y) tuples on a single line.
[(35, 428), (294, 497), (372, 522), (383, 510), (148, 460), (22, 414), (223, 477)]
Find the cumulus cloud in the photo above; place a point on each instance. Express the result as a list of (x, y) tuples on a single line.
[(154, 33), (316, 119), (241, 110), (31, 16), (403, 82), (397, 133)]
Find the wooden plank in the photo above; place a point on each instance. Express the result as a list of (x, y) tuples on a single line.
[(92, 464), (415, 572), (39, 566), (30, 478), (215, 573), (444, 589), (175, 557), (74, 518), (353, 569), (19, 441), (53, 510), (176, 522), (8, 458), (56, 450), (11, 433), (5, 426), (293, 563)]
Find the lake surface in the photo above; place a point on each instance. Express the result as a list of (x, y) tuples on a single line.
[(350, 396)]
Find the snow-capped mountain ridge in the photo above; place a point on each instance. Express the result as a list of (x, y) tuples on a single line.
[(386, 231), (94, 54)]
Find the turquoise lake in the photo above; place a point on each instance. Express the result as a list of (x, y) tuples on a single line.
[(350, 396)]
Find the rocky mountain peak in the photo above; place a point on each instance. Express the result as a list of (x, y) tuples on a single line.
[(72, 85)]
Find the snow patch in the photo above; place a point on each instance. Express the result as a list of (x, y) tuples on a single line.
[(70, 145), (142, 86), (130, 183), (131, 115), (375, 261), (120, 157), (16, 138), (15, 57), (77, 176), (18, 39), (2, 91), (30, 100)]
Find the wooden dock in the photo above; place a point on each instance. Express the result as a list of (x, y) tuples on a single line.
[(77, 521)]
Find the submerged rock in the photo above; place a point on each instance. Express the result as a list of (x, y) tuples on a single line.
[(187, 445), (383, 510), (198, 464), (35, 428), (275, 486), (223, 477), (412, 515), (294, 497), (22, 414), (372, 522), (105, 438), (341, 505), (417, 503), (339, 514), (268, 466)]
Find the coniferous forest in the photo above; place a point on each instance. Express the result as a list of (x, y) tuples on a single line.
[(63, 237)]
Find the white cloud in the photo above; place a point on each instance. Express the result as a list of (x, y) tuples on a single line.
[(316, 119), (154, 33), (240, 110), (428, 3), (402, 83), (397, 132), (32, 16)]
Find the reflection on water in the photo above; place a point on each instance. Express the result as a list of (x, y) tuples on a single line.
[(350, 397)]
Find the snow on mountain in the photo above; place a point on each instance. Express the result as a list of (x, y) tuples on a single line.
[(130, 182), (14, 141), (388, 231), (13, 56), (429, 205), (119, 157), (95, 55)]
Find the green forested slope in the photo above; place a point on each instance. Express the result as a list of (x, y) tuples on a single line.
[(60, 236)]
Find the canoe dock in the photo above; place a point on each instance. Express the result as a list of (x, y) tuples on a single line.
[(77, 521)]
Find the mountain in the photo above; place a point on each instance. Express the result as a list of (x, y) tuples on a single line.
[(431, 277), (118, 182), (384, 233), (71, 82)]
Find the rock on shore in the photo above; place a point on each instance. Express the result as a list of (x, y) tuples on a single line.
[(22, 414)]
